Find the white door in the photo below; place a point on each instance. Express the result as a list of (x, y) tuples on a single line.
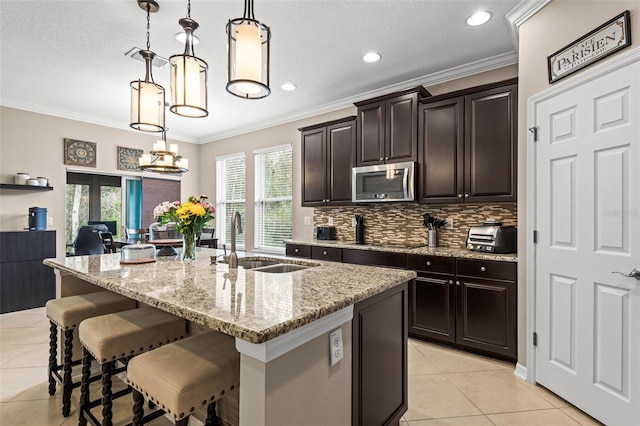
[(588, 224)]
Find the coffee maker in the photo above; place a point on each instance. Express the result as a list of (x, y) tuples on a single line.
[(37, 219)]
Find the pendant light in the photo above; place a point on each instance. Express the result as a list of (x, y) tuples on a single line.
[(164, 159), (147, 97), (188, 75), (248, 63)]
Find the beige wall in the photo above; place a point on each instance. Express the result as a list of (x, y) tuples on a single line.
[(33, 143), (556, 25)]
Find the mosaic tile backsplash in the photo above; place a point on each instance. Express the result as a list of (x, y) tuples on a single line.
[(401, 224)]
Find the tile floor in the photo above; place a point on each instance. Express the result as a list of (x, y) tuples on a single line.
[(446, 387)]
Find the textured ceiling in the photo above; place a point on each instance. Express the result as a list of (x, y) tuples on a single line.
[(66, 58)]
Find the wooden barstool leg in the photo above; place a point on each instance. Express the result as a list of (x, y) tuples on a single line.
[(84, 386), (53, 354), (66, 368), (107, 394), (138, 408), (183, 422), (212, 418)]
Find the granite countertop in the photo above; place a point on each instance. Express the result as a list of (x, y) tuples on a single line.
[(424, 250), (250, 305)]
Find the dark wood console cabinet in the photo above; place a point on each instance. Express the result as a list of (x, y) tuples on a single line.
[(327, 160), (388, 128), (467, 143), (24, 281)]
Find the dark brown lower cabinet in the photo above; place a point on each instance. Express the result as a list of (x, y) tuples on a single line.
[(380, 329), (431, 310)]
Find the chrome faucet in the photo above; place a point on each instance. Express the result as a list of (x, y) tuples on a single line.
[(236, 222)]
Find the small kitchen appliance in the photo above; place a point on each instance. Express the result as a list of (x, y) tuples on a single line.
[(326, 233), (37, 219), (492, 237)]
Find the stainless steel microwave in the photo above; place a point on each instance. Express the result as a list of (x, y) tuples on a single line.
[(383, 183)]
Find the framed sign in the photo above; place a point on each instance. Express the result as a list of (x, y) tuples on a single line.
[(79, 153), (128, 159), (598, 44)]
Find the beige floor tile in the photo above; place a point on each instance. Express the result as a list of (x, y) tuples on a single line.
[(39, 391), (24, 336), (545, 393), (452, 361), (497, 392), (553, 417), (418, 363), (42, 413), (454, 421), (580, 416), (10, 352), (433, 396), (30, 356), (14, 381), (20, 319)]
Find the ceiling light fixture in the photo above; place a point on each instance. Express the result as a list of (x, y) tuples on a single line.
[(164, 159), (372, 57), (249, 51), (182, 38), (188, 76), (289, 87), (478, 18), (147, 97)]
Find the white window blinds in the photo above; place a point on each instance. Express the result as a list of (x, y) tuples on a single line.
[(230, 195), (273, 197)]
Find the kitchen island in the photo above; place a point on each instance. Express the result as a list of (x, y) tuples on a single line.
[(281, 322)]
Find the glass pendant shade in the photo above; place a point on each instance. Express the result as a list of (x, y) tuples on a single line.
[(164, 159), (248, 63), (188, 77), (147, 106)]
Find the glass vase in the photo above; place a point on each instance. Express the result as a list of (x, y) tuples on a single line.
[(189, 246)]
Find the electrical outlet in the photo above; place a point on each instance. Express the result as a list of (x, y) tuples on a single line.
[(307, 220), (330, 221), (353, 222), (335, 346), (49, 220), (449, 223)]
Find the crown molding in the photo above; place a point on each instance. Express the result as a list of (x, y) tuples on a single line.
[(520, 14)]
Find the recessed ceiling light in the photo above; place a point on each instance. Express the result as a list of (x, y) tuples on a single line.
[(182, 37), (372, 57), (478, 18), (289, 87)]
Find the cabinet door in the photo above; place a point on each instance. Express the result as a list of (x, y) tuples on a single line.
[(401, 129), (331, 254), (341, 140), (371, 134), (432, 307), (314, 167), (486, 316), (441, 148), (298, 250), (490, 145), (25, 285)]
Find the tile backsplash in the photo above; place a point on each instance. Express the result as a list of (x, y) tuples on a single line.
[(401, 223)]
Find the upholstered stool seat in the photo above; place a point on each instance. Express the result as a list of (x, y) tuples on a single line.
[(66, 313), (185, 375), (119, 336)]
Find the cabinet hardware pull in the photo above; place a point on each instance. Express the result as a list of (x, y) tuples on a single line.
[(483, 269), (428, 263), (296, 250), (450, 282), (459, 195), (466, 195), (386, 158), (324, 252), (381, 158), (457, 282)]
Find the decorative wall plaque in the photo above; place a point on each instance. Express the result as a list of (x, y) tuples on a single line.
[(598, 44), (128, 159), (79, 153)]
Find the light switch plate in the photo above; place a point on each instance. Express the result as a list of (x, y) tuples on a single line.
[(330, 221), (449, 223), (335, 346), (307, 220)]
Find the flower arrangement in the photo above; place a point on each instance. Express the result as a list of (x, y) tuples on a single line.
[(190, 217)]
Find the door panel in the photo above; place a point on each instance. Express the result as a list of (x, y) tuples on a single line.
[(588, 221), (402, 128), (371, 134), (341, 139), (314, 167)]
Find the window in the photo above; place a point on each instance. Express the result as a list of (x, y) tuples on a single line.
[(230, 195), (273, 201), (91, 198)]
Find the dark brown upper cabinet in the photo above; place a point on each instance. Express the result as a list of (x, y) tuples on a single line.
[(387, 128), (327, 160), (468, 145)]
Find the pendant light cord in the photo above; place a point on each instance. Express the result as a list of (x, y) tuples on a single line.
[(189, 9), (148, 26)]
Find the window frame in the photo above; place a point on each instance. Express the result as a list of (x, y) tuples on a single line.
[(221, 201)]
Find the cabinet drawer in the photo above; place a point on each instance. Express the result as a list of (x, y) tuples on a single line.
[(443, 265), (331, 254), (373, 258), (298, 250), (487, 269)]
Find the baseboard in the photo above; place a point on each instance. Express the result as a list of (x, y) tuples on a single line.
[(520, 372)]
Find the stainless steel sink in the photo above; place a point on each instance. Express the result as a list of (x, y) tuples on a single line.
[(281, 268), (253, 264)]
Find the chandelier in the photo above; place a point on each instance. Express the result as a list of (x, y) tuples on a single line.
[(164, 159), (147, 97), (248, 62)]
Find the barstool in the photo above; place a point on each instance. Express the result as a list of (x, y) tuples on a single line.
[(184, 375), (118, 337), (66, 313)]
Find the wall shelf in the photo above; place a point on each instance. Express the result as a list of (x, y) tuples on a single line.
[(25, 187)]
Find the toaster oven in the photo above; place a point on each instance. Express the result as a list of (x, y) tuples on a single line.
[(492, 237)]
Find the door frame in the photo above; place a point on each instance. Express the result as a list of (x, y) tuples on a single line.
[(585, 76)]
